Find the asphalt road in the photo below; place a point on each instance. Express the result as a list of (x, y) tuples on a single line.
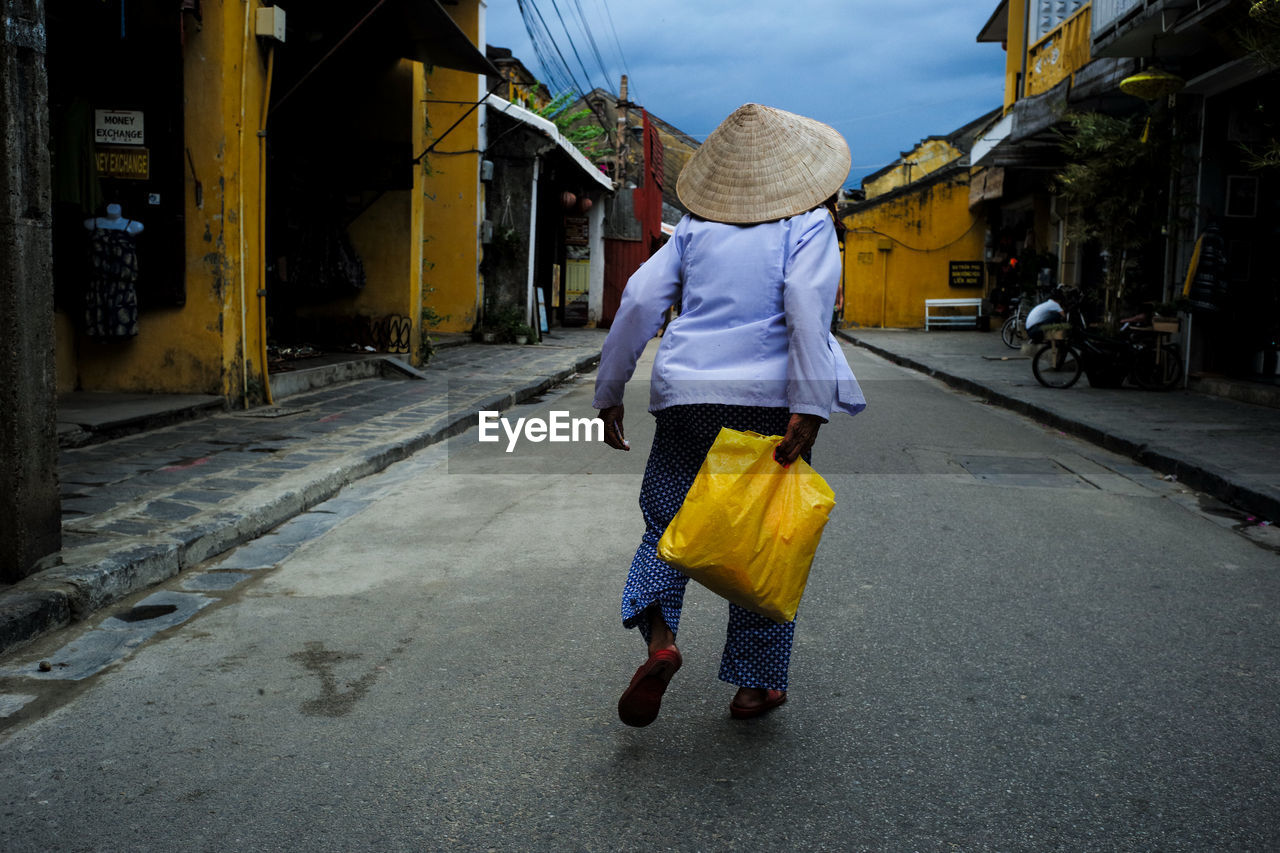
[(1011, 641)]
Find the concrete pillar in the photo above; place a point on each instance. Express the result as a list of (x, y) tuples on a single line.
[(595, 241), (29, 511)]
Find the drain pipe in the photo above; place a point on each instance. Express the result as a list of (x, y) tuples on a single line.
[(244, 322), (262, 224), (529, 301)]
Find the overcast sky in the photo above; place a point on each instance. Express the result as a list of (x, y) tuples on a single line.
[(885, 74)]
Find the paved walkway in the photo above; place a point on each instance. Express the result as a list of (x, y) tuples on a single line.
[(1225, 448), (139, 509)]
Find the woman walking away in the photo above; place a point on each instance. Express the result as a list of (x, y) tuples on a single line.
[(756, 269)]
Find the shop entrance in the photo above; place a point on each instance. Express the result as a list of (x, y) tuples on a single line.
[(116, 121)]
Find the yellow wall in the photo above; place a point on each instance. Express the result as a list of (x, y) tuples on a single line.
[(897, 253), (380, 237), (927, 157), (383, 234), (196, 348), (1015, 50), (451, 193)]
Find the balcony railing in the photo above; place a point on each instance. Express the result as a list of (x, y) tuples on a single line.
[(1061, 53)]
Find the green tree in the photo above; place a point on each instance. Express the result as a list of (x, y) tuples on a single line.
[(1116, 182), (580, 127), (1263, 40)]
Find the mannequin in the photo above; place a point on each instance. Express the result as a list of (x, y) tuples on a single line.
[(113, 221), (111, 300)]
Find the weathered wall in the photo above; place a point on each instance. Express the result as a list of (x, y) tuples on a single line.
[(925, 159), (897, 253), (676, 152), (510, 194), (29, 508), (451, 191)]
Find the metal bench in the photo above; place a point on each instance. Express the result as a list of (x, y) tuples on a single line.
[(954, 312)]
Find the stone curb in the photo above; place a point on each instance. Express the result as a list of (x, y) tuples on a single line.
[(97, 575), (1201, 477)]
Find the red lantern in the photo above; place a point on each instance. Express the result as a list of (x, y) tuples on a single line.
[(568, 200), (584, 204)]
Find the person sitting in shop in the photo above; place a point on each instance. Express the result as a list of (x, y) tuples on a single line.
[(1046, 313)]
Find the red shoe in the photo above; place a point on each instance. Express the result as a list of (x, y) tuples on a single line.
[(643, 697), (773, 699)]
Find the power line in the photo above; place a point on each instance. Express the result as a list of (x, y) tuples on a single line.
[(614, 30), (558, 76), (564, 63), (573, 45), (591, 39), (604, 123)]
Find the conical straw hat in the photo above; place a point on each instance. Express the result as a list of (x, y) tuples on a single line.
[(761, 164)]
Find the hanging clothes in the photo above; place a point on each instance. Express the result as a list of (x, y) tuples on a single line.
[(111, 303)]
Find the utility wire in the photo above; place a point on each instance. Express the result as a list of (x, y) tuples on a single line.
[(563, 62), (573, 44), (617, 43), (591, 39), (604, 123), (542, 44)]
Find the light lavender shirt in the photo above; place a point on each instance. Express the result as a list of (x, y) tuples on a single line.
[(756, 304)]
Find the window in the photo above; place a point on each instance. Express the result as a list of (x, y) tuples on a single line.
[(1051, 13)]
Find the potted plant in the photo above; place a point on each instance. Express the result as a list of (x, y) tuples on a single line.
[(521, 333), (500, 326), (1056, 331)]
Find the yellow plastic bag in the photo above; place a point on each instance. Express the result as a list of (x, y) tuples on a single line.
[(748, 528)]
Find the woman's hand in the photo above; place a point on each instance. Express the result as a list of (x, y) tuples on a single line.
[(613, 434), (801, 432)]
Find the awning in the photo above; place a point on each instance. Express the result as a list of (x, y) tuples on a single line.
[(419, 30), (423, 31), (996, 29), (987, 142), (548, 129)]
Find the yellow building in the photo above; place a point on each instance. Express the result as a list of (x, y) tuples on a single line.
[(1050, 70), (273, 178), (1206, 70), (929, 156), (914, 237)]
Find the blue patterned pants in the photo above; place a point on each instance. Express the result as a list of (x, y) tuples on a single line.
[(757, 650)]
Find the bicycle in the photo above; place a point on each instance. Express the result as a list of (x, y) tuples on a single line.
[(1157, 365), (1057, 364), (1014, 330), (1152, 365)]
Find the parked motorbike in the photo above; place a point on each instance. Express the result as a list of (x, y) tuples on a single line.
[(1141, 356)]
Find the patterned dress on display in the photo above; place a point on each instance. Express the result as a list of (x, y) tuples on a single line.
[(111, 304)]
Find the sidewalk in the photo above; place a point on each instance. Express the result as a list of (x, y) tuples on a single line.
[(139, 509), (1225, 448)]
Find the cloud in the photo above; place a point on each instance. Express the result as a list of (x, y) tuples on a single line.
[(883, 74)]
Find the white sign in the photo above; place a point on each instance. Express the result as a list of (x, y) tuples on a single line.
[(118, 127)]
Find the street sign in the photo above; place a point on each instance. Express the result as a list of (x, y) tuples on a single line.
[(966, 273), (132, 164), (118, 127)]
